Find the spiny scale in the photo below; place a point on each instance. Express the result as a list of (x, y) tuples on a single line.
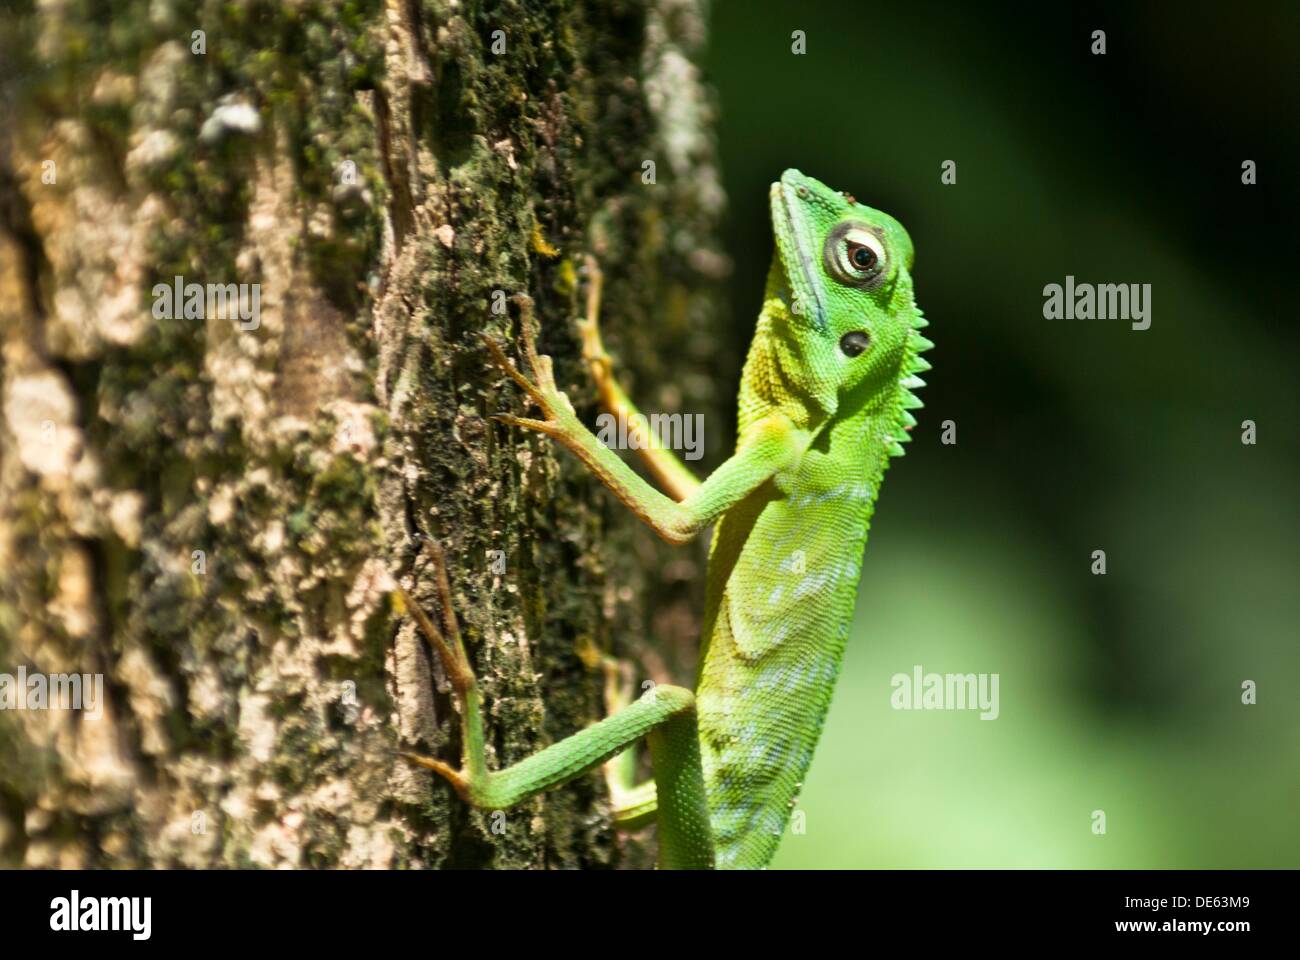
[(914, 364)]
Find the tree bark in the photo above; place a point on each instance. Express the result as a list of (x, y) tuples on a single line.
[(210, 512)]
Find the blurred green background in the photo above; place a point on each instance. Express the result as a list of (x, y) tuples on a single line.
[(1120, 692)]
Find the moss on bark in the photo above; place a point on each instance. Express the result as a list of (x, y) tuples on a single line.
[(209, 515)]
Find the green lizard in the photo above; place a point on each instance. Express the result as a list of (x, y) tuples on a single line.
[(825, 401)]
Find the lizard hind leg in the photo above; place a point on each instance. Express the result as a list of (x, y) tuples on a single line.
[(664, 716)]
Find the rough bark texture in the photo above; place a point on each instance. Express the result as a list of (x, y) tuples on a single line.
[(255, 692)]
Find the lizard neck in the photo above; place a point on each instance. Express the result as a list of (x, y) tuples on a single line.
[(776, 379)]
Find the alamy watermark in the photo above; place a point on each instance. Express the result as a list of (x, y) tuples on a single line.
[(54, 691), (1098, 301), (675, 431), (75, 913), (945, 691), (216, 301)]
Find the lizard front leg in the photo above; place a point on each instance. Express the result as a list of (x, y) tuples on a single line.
[(770, 445)]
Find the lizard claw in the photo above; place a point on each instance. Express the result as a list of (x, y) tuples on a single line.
[(539, 364), (453, 776), (502, 361), (541, 426), (541, 388)]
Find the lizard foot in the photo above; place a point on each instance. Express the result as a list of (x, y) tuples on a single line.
[(446, 642), (541, 388)]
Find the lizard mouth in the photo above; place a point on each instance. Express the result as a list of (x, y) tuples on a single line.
[(793, 234)]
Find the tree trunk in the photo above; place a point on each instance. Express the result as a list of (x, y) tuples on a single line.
[(209, 510)]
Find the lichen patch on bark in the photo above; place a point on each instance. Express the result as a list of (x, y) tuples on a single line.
[(212, 514)]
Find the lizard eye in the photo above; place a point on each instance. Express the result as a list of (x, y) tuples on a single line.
[(854, 255), (854, 342), (861, 256)]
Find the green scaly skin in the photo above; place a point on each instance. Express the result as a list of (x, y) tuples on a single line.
[(825, 401)]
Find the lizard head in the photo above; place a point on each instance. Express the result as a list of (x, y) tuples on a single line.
[(842, 275)]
